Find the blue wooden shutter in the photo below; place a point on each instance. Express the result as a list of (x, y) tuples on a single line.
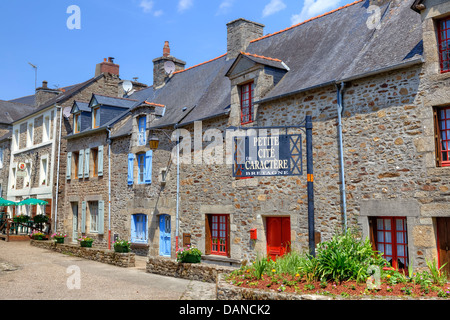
[(100, 161), (101, 217), (83, 217), (69, 166), (80, 164), (130, 168), (133, 228), (87, 153), (148, 167)]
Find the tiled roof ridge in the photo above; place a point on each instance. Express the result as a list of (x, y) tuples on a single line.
[(306, 21), (197, 65), (258, 56), (154, 104)]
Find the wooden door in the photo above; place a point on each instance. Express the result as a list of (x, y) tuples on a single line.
[(443, 230), (164, 235), (278, 236)]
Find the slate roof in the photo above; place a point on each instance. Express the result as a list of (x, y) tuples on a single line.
[(11, 111), (340, 45), (82, 106), (114, 101)]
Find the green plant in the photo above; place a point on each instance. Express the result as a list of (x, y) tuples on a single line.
[(259, 266), (183, 253), (345, 257), (437, 276), (40, 218), (37, 235), (85, 239), (21, 218), (122, 245)]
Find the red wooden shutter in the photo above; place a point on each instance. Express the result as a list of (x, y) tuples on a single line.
[(228, 237), (437, 138), (207, 235)]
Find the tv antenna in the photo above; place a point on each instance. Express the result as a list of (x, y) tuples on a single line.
[(35, 74)]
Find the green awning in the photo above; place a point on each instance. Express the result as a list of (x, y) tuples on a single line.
[(32, 201), (6, 203)]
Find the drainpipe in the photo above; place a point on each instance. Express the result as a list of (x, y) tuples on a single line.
[(57, 167), (108, 140), (340, 109), (178, 188)]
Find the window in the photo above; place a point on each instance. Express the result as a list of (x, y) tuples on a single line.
[(93, 210), (139, 228), (442, 134), (43, 172), (142, 126), (217, 234), (390, 238), (94, 153), (16, 139), (30, 132), (96, 117), (444, 44), (141, 167), (12, 182), (77, 123), (1, 158), (76, 158), (247, 103), (47, 128)]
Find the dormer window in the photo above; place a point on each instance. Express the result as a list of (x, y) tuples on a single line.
[(77, 122), (96, 117), (142, 127), (444, 44), (247, 103)]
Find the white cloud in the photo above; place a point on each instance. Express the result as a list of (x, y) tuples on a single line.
[(225, 6), (272, 7), (312, 8), (184, 5), (146, 5)]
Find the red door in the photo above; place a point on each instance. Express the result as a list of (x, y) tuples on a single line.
[(278, 236), (443, 230)]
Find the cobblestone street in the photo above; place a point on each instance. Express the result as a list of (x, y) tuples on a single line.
[(32, 273)]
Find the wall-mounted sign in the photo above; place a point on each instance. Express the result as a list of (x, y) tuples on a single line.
[(273, 155), (21, 166)]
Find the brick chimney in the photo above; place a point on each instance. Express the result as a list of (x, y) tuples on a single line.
[(44, 94), (160, 71), (239, 34), (107, 66)]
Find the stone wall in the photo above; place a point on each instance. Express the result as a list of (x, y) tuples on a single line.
[(192, 271), (125, 260)]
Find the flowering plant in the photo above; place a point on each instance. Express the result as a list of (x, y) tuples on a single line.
[(37, 235), (122, 246), (182, 253), (85, 239), (59, 235)]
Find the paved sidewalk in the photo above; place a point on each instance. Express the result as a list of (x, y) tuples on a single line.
[(32, 273)]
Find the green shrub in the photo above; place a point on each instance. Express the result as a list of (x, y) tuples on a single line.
[(345, 257)]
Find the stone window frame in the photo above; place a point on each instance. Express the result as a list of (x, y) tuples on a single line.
[(441, 41), (13, 176), (46, 127), (141, 140), (30, 134), (93, 223)]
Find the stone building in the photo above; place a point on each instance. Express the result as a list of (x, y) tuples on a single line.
[(375, 89), (37, 152)]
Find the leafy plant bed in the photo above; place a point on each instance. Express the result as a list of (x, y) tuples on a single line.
[(347, 289), (345, 266)]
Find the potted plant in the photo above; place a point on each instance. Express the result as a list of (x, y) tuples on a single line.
[(21, 218), (59, 237), (37, 235), (40, 218), (189, 255), (122, 246), (85, 241)]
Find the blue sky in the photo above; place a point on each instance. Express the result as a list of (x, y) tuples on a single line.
[(131, 31)]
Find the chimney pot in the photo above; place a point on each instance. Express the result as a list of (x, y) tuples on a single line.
[(44, 84), (166, 49)]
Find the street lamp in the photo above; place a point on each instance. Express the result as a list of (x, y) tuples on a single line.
[(153, 143)]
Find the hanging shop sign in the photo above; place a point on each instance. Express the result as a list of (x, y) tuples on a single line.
[(272, 155)]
